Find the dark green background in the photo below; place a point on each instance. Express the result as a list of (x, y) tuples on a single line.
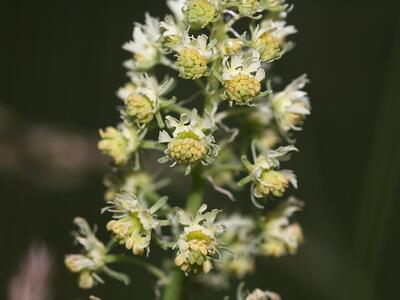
[(61, 64)]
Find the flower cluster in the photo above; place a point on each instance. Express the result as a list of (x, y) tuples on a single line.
[(198, 245), (265, 174), (279, 236), (132, 222), (206, 135), (191, 140), (242, 243), (92, 260), (242, 74)]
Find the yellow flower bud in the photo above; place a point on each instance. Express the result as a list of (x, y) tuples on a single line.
[(140, 108), (171, 41), (269, 45), (268, 139), (200, 13), (248, 7), (186, 150), (86, 280), (242, 88), (240, 266), (272, 182), (77, 262), (231, 46), (191, 63), (144, 62), (118, 144), (274, 248)]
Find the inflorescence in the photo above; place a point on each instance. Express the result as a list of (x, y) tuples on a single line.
[(238, 137)]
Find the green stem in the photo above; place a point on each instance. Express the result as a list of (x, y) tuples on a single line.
[(140, 263), (196, 192), (173, 290), (174, 287)]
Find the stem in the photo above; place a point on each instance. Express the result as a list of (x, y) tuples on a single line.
[(197, 191), (218, 33), (140, 263), (173, 290), (174, 287)]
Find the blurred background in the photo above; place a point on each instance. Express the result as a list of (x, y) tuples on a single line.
[(61, 63)]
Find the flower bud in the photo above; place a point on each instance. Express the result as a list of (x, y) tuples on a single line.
[(86, 280), (197, 244), (186, 150), (242, 88), (139, 107), (191, 63), (272, 182), (258, 294), (200, 13), (248, 7), (78, 262), (119, 143), (270, 46)]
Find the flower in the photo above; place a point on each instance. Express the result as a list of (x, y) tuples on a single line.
[(144, 103), (200, 13), (267, 179), (258, 294), (279, 237), (145, 45), (120, 143), (193, 56), (171, 32), (269, 39), (132, 182), (132, 222), (239, 237), (274, 5), (91, 261), (125, 91), (249, 8), (231, 46), (241, 76), (191, 140), (291, 105), (197, 245), (176, 7), (268, 139)]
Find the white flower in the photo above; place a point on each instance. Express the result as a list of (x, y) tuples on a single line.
[(92, 260), (269, 39), (125, 91), (197, 245), (258, 294), (194, 55), (133, 182), (144, 103), (241, 243), (176, 7), (241, 77), (200, 13), (133, 222), (120, 143), (266, 178), (291, 105), (241, 64), (145, 45), (275, 5), (250, 7), (279, 236), (191, 140), (172, 32)]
